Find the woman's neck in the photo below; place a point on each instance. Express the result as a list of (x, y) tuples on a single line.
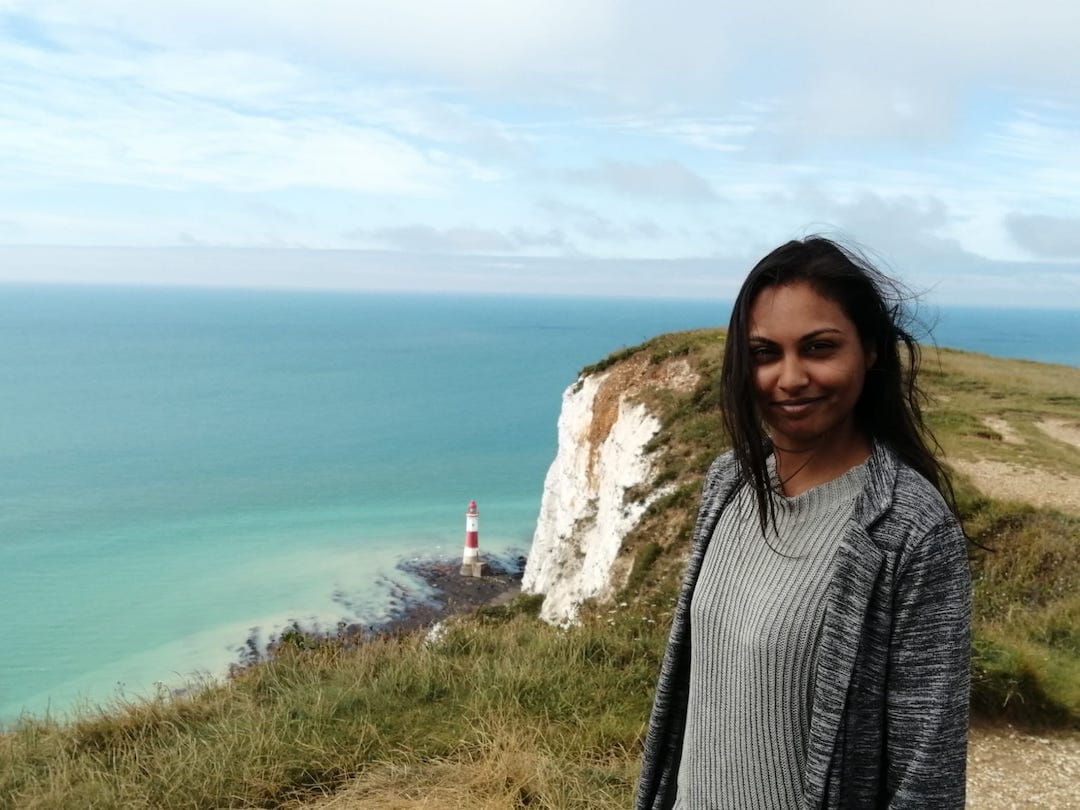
[(799, 471)]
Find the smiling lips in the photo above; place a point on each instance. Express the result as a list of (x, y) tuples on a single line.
[(796, 407)]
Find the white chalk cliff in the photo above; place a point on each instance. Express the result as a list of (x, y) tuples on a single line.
[(585, 512)]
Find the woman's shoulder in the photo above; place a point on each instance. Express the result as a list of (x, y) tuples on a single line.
[(722, 474), (913, 490), (722, 462), (725, 466), (903, 505)]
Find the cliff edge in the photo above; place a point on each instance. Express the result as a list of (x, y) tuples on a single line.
[(638, 431), (602, 481)]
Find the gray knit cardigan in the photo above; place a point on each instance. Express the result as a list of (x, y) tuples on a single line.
[(889, 719)]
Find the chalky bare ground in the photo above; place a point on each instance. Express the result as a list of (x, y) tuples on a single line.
[(1007, 768)]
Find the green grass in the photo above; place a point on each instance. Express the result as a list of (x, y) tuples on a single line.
[(303, 723), (1027, 612), (1026, 589), (504, 711)]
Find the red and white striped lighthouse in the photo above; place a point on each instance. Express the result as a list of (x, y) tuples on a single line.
[(470, 560)]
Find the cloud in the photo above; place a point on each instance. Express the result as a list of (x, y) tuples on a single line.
[(428, 239), (552, 238), (485, 41), (667, 179), (584, 220), (896, 221), (712, 133), (690, 129), (420, 114), (157, 144), (982, 283), (620, 55), (592, 225), (1035, 155), (1046, 236), (230, 120), (891, 223)]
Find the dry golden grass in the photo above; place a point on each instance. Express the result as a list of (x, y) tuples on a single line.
[(504, 766)]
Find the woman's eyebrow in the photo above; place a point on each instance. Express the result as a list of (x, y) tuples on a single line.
[(828, 330)]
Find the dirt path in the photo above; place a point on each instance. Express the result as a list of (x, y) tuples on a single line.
[(1008, 769), (1016, 482), (1061, 430)]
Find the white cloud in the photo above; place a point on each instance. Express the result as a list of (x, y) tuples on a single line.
[(662, 179), (159, 148), (191, 121), (942, 132), (1045, 236), (595, 227), (427, 239), (714, 133), (462, 239), (633, 50), (485, 40)]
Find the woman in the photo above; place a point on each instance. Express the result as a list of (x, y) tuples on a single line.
[(819, 653)]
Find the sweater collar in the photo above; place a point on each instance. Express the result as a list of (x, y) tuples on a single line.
[(882, 468)]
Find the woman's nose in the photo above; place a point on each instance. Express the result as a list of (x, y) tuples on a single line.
[(793, 374)]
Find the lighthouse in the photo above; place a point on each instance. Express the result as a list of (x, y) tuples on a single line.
[(471, 566)]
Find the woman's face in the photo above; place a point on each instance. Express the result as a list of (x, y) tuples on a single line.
[(809, 365)]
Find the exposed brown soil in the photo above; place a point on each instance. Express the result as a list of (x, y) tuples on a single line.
[(1017, 482), (1003, 429), (1009, 769), (623, 381), (1062, 431)]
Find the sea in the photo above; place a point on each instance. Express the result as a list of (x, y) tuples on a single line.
[(185, 470)]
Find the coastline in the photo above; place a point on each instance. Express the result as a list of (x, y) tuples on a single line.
[(451, 593), (446, 593)]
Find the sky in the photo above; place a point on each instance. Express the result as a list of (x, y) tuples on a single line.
[(540, 146)]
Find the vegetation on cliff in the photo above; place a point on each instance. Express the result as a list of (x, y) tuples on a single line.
[(503, 710), (1025, 559)]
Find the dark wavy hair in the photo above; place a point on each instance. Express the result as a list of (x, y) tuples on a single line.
[(889, 408)]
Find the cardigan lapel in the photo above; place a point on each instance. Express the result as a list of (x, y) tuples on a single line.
[(858, 565)]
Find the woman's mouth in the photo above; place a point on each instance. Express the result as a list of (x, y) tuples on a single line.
[(796, 407)]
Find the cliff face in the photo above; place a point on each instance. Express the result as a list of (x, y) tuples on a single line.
[(599, 484)]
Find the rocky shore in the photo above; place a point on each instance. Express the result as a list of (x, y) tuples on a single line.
[(452, 593), (446, 593)]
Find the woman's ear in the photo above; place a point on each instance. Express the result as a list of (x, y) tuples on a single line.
[(871, 357)]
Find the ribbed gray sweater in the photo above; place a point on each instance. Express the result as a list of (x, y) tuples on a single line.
[(890, 703), (755, 619)]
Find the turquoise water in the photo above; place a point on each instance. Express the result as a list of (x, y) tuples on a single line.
[(180, 469)]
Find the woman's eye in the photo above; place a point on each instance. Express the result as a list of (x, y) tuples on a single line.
[(761, 353)]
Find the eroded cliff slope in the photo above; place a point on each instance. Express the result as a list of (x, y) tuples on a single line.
[(602, 481)]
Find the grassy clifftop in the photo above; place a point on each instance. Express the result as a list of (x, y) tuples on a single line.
[(1010, 433), (505, 711)]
